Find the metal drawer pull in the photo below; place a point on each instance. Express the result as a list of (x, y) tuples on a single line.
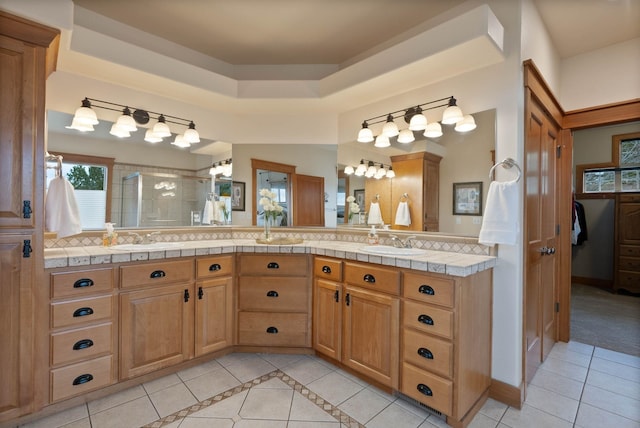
[(82, 344), (336, 296), (369, 278), (425, 389), (425, 319), (82, 312), (272, 293), (326, 269), (426, 289), (84, 378), (425, 353), (214, 267), (272, 330), (84, 282), (273, 265), (157, 274)]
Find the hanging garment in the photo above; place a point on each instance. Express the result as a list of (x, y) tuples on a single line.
[(375, 216), (500, 224), (581, 220), (62, 214), (403, 217)]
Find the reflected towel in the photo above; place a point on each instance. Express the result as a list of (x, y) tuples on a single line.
[(375, 216), (207, 213), (62, 214), (218, 214), (403, 218), (500, 224)]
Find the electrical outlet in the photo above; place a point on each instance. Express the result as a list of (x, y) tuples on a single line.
[(458, 220)]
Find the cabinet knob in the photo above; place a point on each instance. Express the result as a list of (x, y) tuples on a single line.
[(215, 267), (369, 278), (82, 312), (82, 344), (157, 274), (272, 293), (272, 330), (273, 265), (425, 319), (83, 282), (83, 378), (326, 269), (425, 353), (425, 389), (426, 289)]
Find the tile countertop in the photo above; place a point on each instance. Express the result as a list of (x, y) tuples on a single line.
[(449, 263)]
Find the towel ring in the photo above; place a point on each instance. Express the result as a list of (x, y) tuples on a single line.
[(507, 163)]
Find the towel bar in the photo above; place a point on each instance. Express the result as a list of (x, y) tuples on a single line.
[(506, 163)]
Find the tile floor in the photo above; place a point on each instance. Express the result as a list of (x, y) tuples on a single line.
[(578, 386)]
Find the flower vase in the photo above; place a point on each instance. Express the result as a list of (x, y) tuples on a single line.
[(267, 228)]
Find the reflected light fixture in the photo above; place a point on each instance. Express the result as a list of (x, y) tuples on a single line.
[(406, 136), (467, 124), (224, 168), (390, 129), (382, 141), (349, 170), (361, 169), (368, 169), (433, 130)]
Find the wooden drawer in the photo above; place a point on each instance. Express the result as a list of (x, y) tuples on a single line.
[(327, 268), (427, 388), (273, 294), (630, 264), (274, 265), (629, 250), (629, 281), (428, 353), (81, 377), (273, 329), (156, 273), (81, 311), (210, 267), (372, 277), (82, 282), (83, 343), (428, 289), (428, 319)]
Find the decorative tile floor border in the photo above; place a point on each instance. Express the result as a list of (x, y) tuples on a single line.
[(336, 413)]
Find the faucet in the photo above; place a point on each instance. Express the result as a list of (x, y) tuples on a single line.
[(399, 243), (144, 239)]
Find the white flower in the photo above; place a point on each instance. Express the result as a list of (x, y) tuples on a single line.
[(350, 198), (354, 207)]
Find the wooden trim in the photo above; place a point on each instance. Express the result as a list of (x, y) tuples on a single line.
[(257, 164), (608, 195), (565, 220), (540, 89), (580, 173), (615, 145), (593, 282), (507, 394), (606, 114)]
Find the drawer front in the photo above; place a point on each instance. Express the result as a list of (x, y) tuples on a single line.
[(156, 273), (428, 289), (80, 378), (630, 250), (629, 264), (372, 277), (210, 267), (68, 284), (274, 265), (428, 353), (629, 280), (427, 388), (81, 311), (74, 345), (273, 329), (428, 319), (273, 294), (327, 268)]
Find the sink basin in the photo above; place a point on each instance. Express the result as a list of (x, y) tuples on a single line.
[(154, 246), (386, 250)]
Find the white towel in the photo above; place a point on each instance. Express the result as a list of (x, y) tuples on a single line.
[(207, 212), (375, 216), (218, 215), (500, 224), (62, 214), (403, 218)]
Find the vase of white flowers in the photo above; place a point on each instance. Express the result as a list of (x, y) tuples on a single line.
[(354, 208), (222, 206), (271, 210)]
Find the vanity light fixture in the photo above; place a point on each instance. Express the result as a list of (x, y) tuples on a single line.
[(224, 168), (368, 169), (417, 122), (85, 117)]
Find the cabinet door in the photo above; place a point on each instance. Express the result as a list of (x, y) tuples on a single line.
[(327, 318), (370, 334), (16, 374), (214, 315), (156, 328)]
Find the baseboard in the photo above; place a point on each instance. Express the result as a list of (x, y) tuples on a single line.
[(511, 395), (594, 282)]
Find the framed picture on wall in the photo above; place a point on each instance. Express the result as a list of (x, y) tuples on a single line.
[(237, 196), (359, 195), (467, 198)]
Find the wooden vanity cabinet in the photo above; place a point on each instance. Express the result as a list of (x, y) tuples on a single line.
[(327, 307), (274, 300), (627, 243)]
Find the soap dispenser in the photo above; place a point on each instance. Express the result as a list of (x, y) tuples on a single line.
[(373, 239)]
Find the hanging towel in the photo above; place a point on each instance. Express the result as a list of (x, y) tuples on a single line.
[(218, 215), (375, 216), (207, 212), (62, 214), (403, 218), (500, 224)]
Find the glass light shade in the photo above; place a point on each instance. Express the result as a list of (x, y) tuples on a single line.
[(78, 126), (161, 129), (433, 130), (390, 173), (212, 171), (361, 169), (418, 122), (191, 135), (467, 124), (451, 115), (180, 142), (371, 171), (381, 173), (406, 136), (382, 141), (126, 122), (365, 135), (119, 132), (227, 169), (150, 137), (348, 170), (390, 129), (85, 116)]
